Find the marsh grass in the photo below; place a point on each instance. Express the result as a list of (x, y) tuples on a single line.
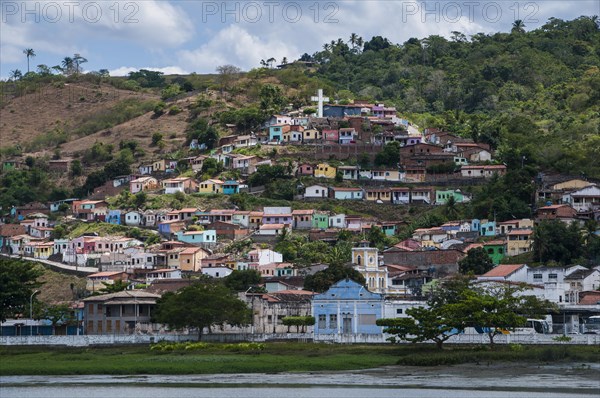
[(272, 358)]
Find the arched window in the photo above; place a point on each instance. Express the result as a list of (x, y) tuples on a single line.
[(359, 259)]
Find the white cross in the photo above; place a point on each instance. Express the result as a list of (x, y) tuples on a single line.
[(320, 99)]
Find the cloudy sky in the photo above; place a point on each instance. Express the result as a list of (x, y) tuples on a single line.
[(180, 36)]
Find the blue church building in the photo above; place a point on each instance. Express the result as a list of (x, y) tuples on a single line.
[(347, 308)]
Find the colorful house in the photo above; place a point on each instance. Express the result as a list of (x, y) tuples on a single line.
[(441, 197), (342, 193), (179, 184), (143, 184), (211, 186), (320, 220), (519, 242), (231, 187), (277, 131), (346, 308), (113, 217), (302, 219), (485, 171), (206, 238), (331, 135), (316, 192), (378, 194), (323, 170), (347, 135), (349, 172), (400, 195), (305, 169), (496, 250)]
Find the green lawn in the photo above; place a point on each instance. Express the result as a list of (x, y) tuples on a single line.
[(275, 357)]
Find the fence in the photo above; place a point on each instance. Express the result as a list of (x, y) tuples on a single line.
[(87, 340)]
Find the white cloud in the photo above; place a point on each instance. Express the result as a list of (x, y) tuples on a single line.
[(167, 70), (235, 45)]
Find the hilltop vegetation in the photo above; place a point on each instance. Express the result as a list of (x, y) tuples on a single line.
[(533, 96)]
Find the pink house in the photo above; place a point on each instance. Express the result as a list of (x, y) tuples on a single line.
[(305, 169), (331, 135)]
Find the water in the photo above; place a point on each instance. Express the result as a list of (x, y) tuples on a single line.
[(511, 381), (262, 392)]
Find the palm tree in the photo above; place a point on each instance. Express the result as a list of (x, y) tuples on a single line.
[(16, 74), (451, 209), (353, 39), (78, 60), (284, 61), (270, 61), (326, 47), (359, 43), (67, 65), (29, 53), (518, 27)]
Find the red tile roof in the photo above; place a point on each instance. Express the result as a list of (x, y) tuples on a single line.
[(503, 270)]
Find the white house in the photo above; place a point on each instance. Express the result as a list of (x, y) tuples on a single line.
[(133, 218), (349, 172), (506, 272), (273, 229), (337, 221), (217, 272), (316, 191), (347, 193), (582, 199), (265, 256)]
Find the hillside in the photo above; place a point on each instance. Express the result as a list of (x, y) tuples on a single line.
[(65, 106), (534, 97)]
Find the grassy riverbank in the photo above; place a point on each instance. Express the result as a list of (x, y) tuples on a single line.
[(273, 357)]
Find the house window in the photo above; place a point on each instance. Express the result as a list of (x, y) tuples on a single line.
[(367, 319), (537, 277), (332, 321), (399, 311), (322, 321), (552, 276)]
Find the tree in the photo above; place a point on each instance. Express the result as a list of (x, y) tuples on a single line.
[(424, 324), (436, 321), (241, 281), (518, 27), (15, 74), (29, 53), (156, 138), (68, 66), (117, 286), (18, 279), (353, 40), (498, 309), (201, 305), (76, 168), (476, 262), (322, 280), (451, 209), (271, 99), (298, 321), (43, 70), (140, 199), (58, 315), (227, 73), (389, 156), (554, 241), (77, 61)]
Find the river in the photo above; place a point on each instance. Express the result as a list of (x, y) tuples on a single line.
[(461, 381)]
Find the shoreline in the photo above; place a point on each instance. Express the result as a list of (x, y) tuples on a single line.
[(565, 378)]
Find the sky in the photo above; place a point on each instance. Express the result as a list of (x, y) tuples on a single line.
[(181, 37)]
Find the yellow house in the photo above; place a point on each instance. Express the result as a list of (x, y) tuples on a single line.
[(571, 184), (323, 170), (159, 165), (190, 259), (519, 242), (375, 194), (211, 186), (311, 135)]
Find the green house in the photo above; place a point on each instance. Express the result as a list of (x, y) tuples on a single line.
[(320, 220), (441, 197), (496, 250)]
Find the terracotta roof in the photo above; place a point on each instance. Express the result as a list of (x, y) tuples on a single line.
[(343, 189), (273, 226), (302, 212), (12, 229), (520, 232), (503, 270), (106, 273)]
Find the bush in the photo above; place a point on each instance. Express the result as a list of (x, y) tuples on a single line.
[(174, 110)]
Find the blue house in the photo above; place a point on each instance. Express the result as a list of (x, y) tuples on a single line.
[(206, 238), (231, 187), (114, 217), (347, 308), (484, 227), (276, 133)]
